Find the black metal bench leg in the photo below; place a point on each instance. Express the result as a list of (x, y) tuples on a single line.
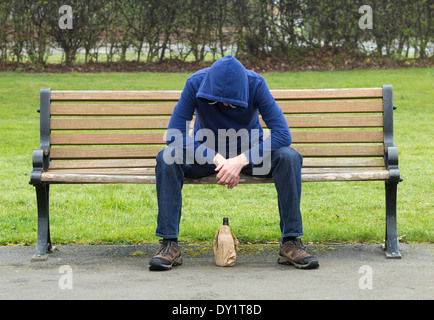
[(392, 245), (43, 244)]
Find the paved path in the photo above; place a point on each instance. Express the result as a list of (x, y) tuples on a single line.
[(121, 272)]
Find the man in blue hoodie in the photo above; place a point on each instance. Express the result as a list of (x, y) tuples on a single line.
[(228, 140)]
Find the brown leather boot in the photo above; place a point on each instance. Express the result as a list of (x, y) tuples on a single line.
[(293, 252), (167, 256)]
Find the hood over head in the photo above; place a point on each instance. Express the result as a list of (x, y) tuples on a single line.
[(226, 82)]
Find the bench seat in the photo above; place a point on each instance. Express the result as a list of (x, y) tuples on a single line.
[(146, 176)]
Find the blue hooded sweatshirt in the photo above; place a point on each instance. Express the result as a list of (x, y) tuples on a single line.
[(247, 95)]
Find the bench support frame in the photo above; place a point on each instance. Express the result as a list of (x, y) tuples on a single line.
[(391, 245), (41, 160), (43, 244)]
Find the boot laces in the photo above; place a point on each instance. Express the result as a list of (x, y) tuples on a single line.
[(300, 246), (166, 247)]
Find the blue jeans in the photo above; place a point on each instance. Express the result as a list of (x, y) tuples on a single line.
[(285, 169)]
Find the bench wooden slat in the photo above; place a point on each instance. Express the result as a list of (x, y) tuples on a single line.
[(312, 94), (115, 95), (109, 123), (105, 163), (151, 171), (353, 176), (342, 162), (107, 138), (339, 150), (336, 106), (130, 109), (146, 109), (364, 121), (145, 163), (108, 171), (333, 121), (71, 178), (337, 136), (303, 94), (105, 152), (152, 151), (125, 138)]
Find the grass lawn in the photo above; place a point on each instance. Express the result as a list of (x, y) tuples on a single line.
[(125, 214)]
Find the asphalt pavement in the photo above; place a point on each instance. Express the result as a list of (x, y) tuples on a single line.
[(346, 271)]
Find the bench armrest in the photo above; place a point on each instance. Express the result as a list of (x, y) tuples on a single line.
[(391, 162), (40, 161), (41, 156)]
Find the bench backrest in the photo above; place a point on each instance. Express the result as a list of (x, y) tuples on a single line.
[(330, 127)]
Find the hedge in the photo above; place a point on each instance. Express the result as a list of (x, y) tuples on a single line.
[(193, 29)]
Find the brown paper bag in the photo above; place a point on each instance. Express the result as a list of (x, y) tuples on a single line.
[(225, 247)]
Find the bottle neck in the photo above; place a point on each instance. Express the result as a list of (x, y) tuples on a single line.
[(225, 221)]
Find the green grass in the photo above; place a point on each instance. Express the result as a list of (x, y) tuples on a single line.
[(125, 214)]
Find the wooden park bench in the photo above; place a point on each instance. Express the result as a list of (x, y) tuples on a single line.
[(114, 136)]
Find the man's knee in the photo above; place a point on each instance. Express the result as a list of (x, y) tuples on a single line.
[(288, 155), (160, 157), (169, 156)]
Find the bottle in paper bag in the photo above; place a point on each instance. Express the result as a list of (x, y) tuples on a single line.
[(225, 246)]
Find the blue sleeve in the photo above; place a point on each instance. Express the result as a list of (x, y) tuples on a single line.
[(280, 135), (179, 124)]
